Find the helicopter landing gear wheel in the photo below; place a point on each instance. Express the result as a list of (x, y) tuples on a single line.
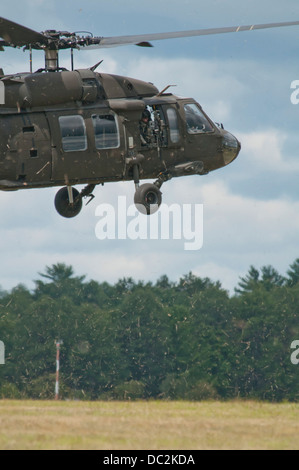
[(68, 202), (148, 198)]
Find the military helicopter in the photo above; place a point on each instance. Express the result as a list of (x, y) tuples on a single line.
[(82, 127)]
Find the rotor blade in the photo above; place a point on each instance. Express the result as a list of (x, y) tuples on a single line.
[(18, 35), (142, 38)]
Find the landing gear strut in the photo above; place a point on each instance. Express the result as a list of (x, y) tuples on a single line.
[(148, 197), (68, 201)]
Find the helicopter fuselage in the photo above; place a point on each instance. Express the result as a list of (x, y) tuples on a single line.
[(82, 127)]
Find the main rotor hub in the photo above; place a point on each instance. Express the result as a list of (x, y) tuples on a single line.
[(58, 40)]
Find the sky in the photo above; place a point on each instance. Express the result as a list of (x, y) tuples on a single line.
[(250, 208)]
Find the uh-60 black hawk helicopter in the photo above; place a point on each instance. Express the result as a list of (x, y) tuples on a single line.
[(64, 128)]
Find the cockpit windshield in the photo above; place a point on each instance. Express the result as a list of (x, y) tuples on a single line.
[(196, 121)]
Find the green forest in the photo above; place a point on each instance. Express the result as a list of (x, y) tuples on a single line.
[(185, 340)]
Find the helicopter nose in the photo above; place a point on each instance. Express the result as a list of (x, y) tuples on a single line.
[(230, 147)]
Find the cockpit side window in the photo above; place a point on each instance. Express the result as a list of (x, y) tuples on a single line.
[(174, 130), (196, 121)]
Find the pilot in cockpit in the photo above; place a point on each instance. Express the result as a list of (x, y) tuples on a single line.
[(145, 128)]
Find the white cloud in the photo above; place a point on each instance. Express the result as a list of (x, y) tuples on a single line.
[(228, 276), (210, 82), (264, 150), (258, 222), (238, 231)]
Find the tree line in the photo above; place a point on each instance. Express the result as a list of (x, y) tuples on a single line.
[(186, 340)]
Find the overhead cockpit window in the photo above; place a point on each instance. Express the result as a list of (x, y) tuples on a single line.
[(196, 121), (73, 133), (106, 131)]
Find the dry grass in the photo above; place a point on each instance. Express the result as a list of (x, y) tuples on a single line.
[(148, 425)]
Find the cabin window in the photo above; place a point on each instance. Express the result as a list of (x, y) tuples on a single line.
[(196, 121), (173, 125), (105, 131), (73, 133)]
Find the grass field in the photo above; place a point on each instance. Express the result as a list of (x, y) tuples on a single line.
[(148, 425)]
